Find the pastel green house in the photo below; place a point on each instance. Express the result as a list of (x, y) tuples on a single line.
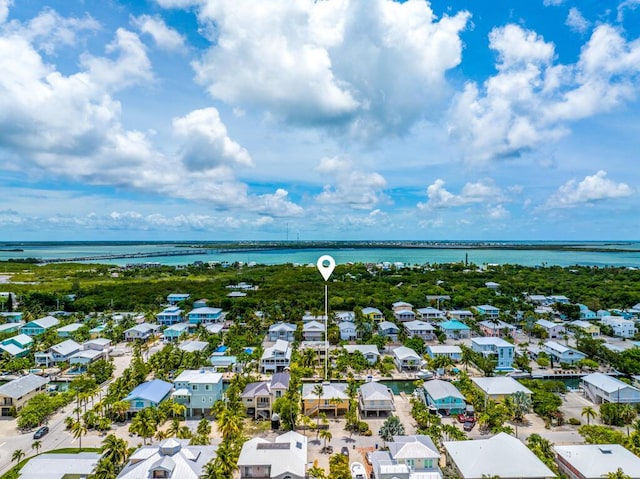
[(39, 326), (443, 396)]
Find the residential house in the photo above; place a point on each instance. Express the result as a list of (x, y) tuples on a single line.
[(499, 387), (333, 398), (58, 353), (313, 331), (197, 389), (222, 362), (148, 394), (559, 353), (406, 359), (444, 396), (170, 315), (200, 303), (13, 350), (205, 315), (586, 313), (258, 397), (98, 344), (374, 397), (430, 313), (341, 316), (537, 299), (369, 351), (39, 326), (454, 329), (407, 457), (450, 351), (600, 388), (497, 348), (404, 315), (460, 314), (347, 331), (590, 329), (8, 328), (285, 458), (172, 333), (141, 332), (14, 394), (191, 346), (276, 358), (81, 359), (388, 330), (284, 331), (11, 316), (623, 328), (60, 466), (321, 318), (492, 285), (420, 329), (594, 461), (487, 311), (373, 314), (214, 328), (558, 298), (170, 459), (175, 298), (20, 340), (68, 330), (553, 330), (497, 329), (486, 458), (401, 306), (98, 331)]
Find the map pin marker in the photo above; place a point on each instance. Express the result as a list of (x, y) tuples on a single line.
[(326, 269)]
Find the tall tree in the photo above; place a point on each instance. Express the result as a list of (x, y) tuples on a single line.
[(17, 455), (391, 427), (589, 413)]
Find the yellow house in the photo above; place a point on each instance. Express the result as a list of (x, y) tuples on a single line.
[(586, 327), (333, 397), (15, 393)]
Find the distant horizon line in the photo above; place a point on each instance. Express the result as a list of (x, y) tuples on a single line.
[(322, 241)]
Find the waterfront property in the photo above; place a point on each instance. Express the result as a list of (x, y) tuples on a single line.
[(498, 348), (198, 390), (553, 330), (170, 459), (170, 315), (276, 358), (375, 398), (388, 330), (408, 457), (623, 328), (369, 351), (444, 396), (148, 394), (39, 326), (57, 353), (497, 329), (454, 329), (601, 388), (258, 397), (420, 329), (347, 331), (499, 387), (559, 353), (486, 458), (594, 461), (205, 315), (284, 331), (450, 351), (286, 457), (333, 397), (14, 394), (141, 332), (84, 357), (406, 359)]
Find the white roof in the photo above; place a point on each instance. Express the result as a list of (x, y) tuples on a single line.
[(282, 327), (388, 325), (23, 385), (606, 383), (373, 391), (499, 385), (70, 328), (329, 391), (198, 376), (287, 454), (561, 348), (346, 326), (418, 325), (66, 347), (497, 325), (488, 340), (46, 322), (597, 460), (193, 345), (206, 310), (404, 352), (439, 389), (90, 354), (444, 349), (545, 323), (55, 466), (313, 326), (370, 310), (487, 457), (363, 348)]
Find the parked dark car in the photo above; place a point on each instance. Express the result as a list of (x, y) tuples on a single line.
[(344, 451), (468, 425), (41, 432)]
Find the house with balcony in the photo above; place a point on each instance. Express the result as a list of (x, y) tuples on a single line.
[(284, 458), (499, 387), (197, 389), (68, 330), (559, 353), (558, 298), (601, 388), (258, 397), (58, 353), (373, 314), (173, 333), (388, 330), (374, 397), (14, 394), (487, 311), (585, 327), (170, 315), (454, 329), (205, 315), (553, 330), (444, 397), (141, 332), (284, 331), (460, 314), (347, 331), (623, 328), (369, 351), (404, 315), (175, 298), (406, 359), (595, 461), (39, 326), (84, 357), (496, 348), (497, 329), (407, 457), (586, 313), (333, 398), (430, 314), (451, 351), (148, 394), (276, 358), (420, 329), (401, 306), (313, 331), (12, 316)]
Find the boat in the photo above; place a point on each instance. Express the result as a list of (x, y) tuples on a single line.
[(358, 471), (425, 374)]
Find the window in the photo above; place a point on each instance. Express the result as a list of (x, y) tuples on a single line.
[(194, 387), (207, 387)]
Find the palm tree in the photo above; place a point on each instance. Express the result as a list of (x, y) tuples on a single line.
[(105, 469), (204, 427), (589, 412), (174, 427), (226, 460), (143, 424), (229, 424), (17, 455), (326, 435), (467, 357), (78, 430), (619, 474), (36, 445), (318, 390), (627, 413), (115, 450), (520, 405)]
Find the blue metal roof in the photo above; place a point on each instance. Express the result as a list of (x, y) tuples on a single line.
[(154, 391)]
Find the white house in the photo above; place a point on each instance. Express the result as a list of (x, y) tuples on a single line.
[(276, 358), (624, 328), (601, 388), (553, 330), (313, 331), (369, 351), (286, 457), (498, 387), (561, 353), (450, 351), (420, 329), (406, 359), (347, 331), (594, 461), (375, 398), (404, 315), (430, 313), (460, 314), (57, 353), (285, 331)]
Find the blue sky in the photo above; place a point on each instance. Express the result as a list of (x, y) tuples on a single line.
[(334, 119)]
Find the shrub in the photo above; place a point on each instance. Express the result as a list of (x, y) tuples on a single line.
[(574, 421)]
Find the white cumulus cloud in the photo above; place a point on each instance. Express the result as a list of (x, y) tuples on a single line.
[(4, 10), (164, 37), (478, 192), (590, 190), (576, 22)]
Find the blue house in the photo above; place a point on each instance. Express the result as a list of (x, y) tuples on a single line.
[(11, 316), (68, 330), (205, 315), (586, 313), (39, 326), (198, 389), (9, 328), (175, 298), (454, 329), (496, 348), (444, 396), (21, 340), (175, 331), (148, 394), (488, 311), (170, 315)]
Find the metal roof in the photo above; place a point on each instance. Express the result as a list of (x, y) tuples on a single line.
[(154, 391), (21, 386)]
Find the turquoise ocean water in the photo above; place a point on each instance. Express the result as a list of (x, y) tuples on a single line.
[(532, 257)]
